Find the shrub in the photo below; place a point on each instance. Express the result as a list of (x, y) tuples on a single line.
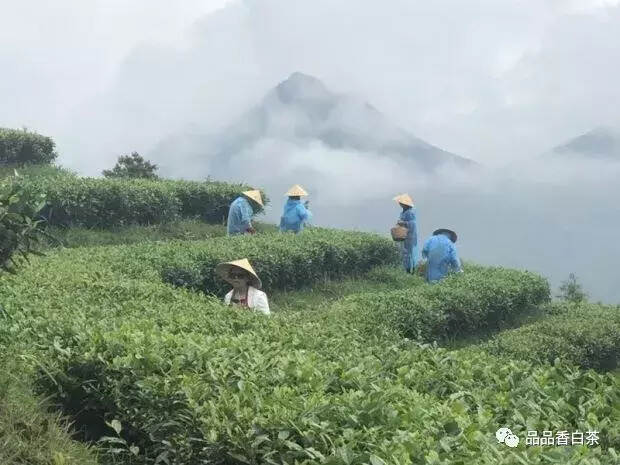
[(192, 381), (34, 172), (132, 167), (571, 290), (107, 203), (280, 393), (22, 147), (19, 233), (481, 298), (209, 200), (283, 261), (586, 335)]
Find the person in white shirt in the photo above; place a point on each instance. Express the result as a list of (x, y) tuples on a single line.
[(246, 285)]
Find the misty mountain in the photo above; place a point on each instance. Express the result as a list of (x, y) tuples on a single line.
[(301, 110), (602, 143)]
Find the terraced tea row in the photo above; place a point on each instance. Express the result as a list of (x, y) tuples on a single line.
[(191, 380)]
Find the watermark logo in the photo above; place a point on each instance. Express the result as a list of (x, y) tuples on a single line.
[(548, 438), (505, 436)]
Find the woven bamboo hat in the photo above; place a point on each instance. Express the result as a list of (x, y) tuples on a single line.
[(223, 271), (446, 232), (405, 199), (254, 195), (296, 191)]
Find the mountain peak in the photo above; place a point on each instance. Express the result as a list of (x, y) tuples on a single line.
[(302, 87), (302, 110), (600, 142)]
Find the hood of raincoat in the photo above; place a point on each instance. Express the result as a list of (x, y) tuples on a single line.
[(291, 204)]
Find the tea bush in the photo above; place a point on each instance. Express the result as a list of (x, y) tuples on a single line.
[(19, 232), (192, 381), (31, 171), (283, 261), (286, 391), (587, 335), (99, 203), (207, 200), (480, 298), (20, 147)]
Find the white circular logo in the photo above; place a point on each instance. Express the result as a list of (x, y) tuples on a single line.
[(511, 440), (501, 434)]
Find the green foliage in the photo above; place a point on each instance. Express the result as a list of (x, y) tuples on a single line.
[(480, 298), (134, 234), (187, 230), (572, 291), (132, 167), (171, 375), (111, 203), (102, 203), (289, 390), (19, 233), (283, 261), (209, 200), (587, 335), (108, 203), (28, 433), (32, 172), (324, 293), (23, 147)]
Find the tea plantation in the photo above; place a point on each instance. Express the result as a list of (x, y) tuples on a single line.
[(132, 344)]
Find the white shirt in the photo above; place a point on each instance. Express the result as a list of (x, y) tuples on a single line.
[(257, 300)]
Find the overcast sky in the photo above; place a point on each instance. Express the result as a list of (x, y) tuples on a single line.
[(488, 79)]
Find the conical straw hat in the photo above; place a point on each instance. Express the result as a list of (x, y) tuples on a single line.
[(404, 199), (254, 195), (296, 190), (447, 232), (223, 269)]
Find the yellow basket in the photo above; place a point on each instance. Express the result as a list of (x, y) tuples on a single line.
[(399, 233)]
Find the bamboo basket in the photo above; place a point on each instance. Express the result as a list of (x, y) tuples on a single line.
[(399, 233)]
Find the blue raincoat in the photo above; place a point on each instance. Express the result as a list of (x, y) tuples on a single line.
[(442, 257), (239, 216), (294, 216), (410, 244)]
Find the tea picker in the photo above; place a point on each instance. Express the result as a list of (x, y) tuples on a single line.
[(440, 252), (406, 232), (295, 214), (246, 285), (241, 212)]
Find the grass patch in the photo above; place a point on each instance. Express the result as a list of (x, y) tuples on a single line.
[(187, 230), (29, 435), (324, 293), (133, 234), (526, 316)]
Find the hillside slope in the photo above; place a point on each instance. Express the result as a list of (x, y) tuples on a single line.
[(601, 143)]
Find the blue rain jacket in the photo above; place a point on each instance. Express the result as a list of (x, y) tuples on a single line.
[(294, 216), (409, 246), (239, 216), (442, 258)]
